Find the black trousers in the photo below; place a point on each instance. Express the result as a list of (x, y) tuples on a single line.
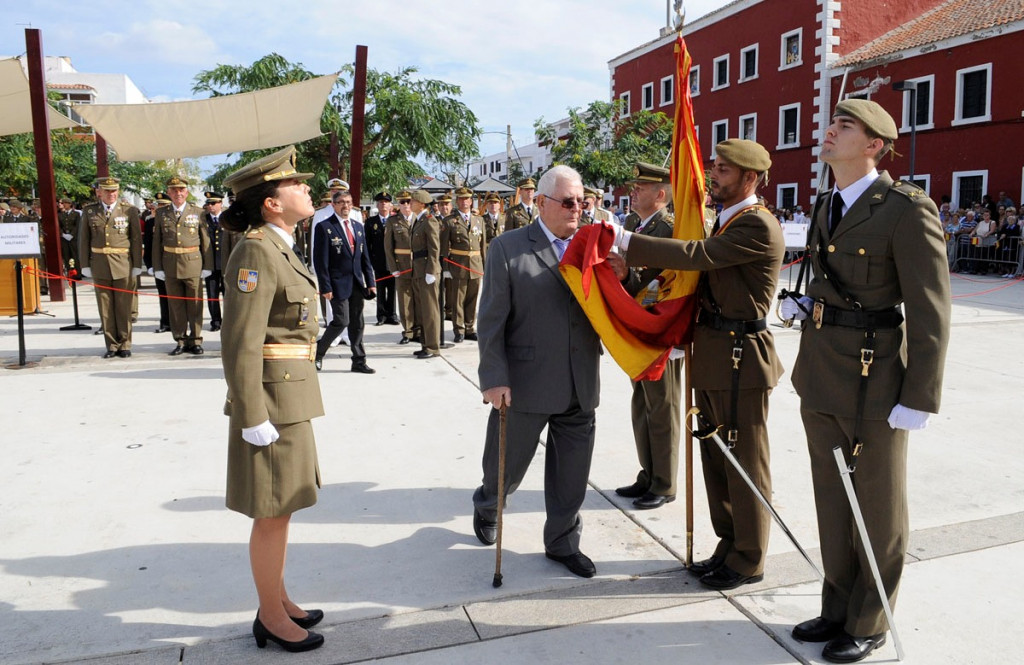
[(345, 313), (386, 310), (165, 315), (214, 290)]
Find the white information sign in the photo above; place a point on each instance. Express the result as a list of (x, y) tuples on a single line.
[(19, 241), (795, 236)]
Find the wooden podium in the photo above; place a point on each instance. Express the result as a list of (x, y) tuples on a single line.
[(8, 288)]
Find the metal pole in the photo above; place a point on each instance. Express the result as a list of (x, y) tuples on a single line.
[(913, 129), (19, 285), (689, 456)]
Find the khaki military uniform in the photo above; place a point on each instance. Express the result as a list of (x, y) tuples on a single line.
[(655, 404), (398, 252), (181, 248), (493, 227), (466, 247), (425, 243), (742, 261), (518, 216), (110, 245), (269, 337), (887, 250)]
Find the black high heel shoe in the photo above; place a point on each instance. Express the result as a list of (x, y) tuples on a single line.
[(312, 618), (260, 632)]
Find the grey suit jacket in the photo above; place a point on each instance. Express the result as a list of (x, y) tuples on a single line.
[(533, 335)]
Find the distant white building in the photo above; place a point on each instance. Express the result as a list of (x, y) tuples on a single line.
[(78, 87)]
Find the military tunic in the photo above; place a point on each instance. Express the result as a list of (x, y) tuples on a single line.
[(466, 248), (110, 245), (425, 243), (181, 249), (518, 216), (375, 233), (493, 227), (398, 252), (269, 321)]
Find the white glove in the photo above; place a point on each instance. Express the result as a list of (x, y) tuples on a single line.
[(150, 271), (87, 272), (263, 434), (67, 236), (136, 272), (396, 274), (430, 279), (676, 353), (446, 274), (791, 311), (621, 240), (902, 417), (203, 274), (161, 275)]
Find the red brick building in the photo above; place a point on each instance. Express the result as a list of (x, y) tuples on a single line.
[(773, 70)]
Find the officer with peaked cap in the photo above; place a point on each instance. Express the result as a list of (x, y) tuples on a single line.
[(215, 282), (68, 219), (182, 257), (522, 213), (110, 247), (375, 233), (425, 243), (466, 250), (149, 224), (493, 221), (398, 250), (734, 364), (441, 210)]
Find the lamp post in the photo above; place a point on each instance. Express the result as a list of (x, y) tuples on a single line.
[(911, 87)]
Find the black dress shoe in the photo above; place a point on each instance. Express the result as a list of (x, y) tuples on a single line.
[(178, 350), (260, 632), (818, 629), (421, 353), (319, 362), (215, 326), (428, 355), (363, 368), (850, 649), (404, 340), (701, 568), (196, 350), (110, 354), (471, 336), (393, 322), (651, 500), (486, 532), (163, 329), (459, 338), (312, 618), (634, 491), (725, 578), (124, 353), (578, 563)]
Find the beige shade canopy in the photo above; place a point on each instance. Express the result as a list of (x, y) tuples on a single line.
[(15, 104), (218, 125)]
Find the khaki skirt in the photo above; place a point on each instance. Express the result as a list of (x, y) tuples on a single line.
[(274, 480)]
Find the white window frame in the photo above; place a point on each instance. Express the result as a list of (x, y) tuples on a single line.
[(670, 79), (782, 127), (715, 85), (694, 74), (927, 178), (905, 128), (714, 134), (644, 89), (799, 34), (628, 99), (743, 65), (958, 118), (787, 185), (958, 175), (739, 126)]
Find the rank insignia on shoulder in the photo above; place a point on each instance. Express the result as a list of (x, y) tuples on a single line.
[(877, 196), (247, 280)]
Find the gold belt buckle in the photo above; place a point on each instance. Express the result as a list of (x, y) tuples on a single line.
[(867, 356), (818, 313)]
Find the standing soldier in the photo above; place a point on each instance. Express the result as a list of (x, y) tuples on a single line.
[(443, 207), (375, 231), (466, 246), (161, 199), (592, 210), (110, 248), (655, 404), (864, 378), (182, 258), (398, 252), (215, 282), (425, 242), (522, 213), (492, 218), (68, 218)]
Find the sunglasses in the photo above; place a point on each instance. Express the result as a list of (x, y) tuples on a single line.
[(569, 202)]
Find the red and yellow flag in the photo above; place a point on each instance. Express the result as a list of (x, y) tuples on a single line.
[(640, 332)]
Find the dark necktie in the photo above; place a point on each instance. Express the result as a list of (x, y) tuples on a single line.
[(718, 224), (836, 213)]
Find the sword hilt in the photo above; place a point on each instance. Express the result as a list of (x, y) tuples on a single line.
[(705, 428)]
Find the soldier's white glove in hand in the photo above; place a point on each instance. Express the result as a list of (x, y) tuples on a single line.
[(263, 434), (203, 274), (66, 236), (676, 353), (909, 419), (136, 272), (150, 271), (446, 274), (790, 309), (396, 274), (621, 240), (161, 275), (430, 279), (87, 272)]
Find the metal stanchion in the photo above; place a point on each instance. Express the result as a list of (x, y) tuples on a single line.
[(78, 325), (19, 285)]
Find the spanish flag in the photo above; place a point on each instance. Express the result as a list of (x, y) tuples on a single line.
[(640, 332)]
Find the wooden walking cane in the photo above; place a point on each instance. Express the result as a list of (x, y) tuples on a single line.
[(689, 457), (501, 492)]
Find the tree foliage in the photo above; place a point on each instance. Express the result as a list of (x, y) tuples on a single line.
[(406, 119), (604, 146)]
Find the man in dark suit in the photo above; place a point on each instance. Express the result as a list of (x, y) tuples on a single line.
[(539, 355), (862, 374), (215, 282), (341, 260), (375, 232), (148, 222)]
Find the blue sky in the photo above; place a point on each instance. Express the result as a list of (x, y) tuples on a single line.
[(515, 62)]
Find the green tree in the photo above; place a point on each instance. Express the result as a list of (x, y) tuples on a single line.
[(604, 146), (406, 119)]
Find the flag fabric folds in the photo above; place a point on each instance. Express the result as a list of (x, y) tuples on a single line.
[(640, 332)]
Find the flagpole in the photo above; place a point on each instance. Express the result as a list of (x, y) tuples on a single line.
[(688, 397)]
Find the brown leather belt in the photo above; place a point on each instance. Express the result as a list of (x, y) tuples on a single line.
[(282, 351)]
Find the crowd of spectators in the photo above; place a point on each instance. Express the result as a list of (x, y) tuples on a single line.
[(984, 238)]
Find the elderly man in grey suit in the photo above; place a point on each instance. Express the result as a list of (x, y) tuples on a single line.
[(539, 354)]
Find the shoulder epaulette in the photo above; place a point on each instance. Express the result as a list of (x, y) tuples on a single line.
[(254, 233), (908, 189)]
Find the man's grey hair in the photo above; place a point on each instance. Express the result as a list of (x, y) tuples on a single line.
[(552, 176), (339, 194)]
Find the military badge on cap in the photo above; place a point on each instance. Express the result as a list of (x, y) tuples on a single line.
[(109, 182), (247, 280), (337, 183), (177, 181)]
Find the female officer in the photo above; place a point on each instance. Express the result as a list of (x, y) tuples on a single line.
[(268, 345)]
